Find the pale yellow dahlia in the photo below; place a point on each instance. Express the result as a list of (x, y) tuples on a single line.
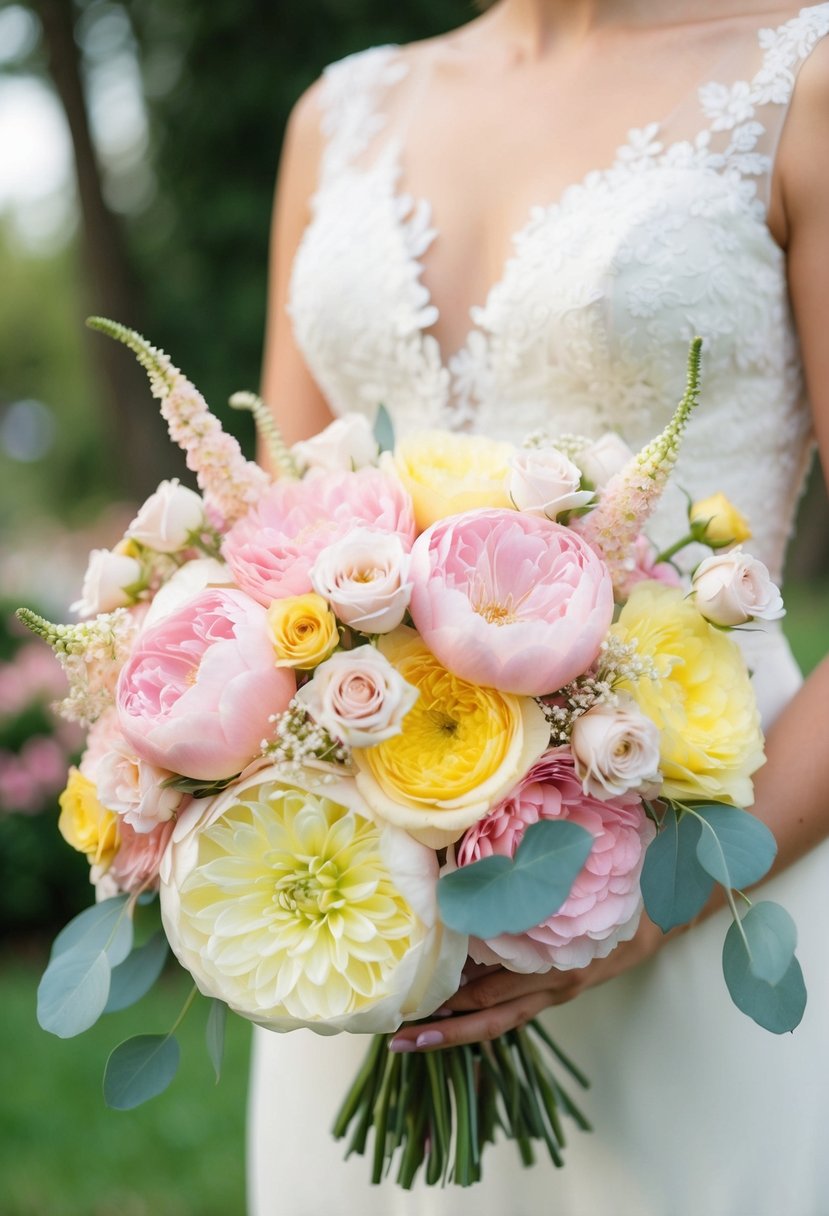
[(703, 701), (446, 473), (461, 748), (287, 903)]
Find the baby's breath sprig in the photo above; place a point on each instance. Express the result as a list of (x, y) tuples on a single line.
[(618, 663), (299, 743)]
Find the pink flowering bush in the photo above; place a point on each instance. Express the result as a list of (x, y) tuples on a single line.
[(509, 600), (271, 551), (197, 693), (604, 903)]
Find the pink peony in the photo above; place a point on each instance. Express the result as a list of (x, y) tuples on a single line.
[(604, 904), (510, 600), (272, 549), (136, 864), (196, 695)]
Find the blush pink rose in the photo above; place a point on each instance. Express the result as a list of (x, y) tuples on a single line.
[(272, 549), (510, 600), (197, 693), (136, 864), (605, 903)]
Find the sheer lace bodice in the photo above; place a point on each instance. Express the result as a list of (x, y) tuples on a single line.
[(588, 326)]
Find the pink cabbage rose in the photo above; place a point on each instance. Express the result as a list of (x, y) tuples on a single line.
[(198, 690), (645, 568), (509, 600), (604, 904), (272, 549)]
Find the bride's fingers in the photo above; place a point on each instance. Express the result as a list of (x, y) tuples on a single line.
[(501, 986), (476, 1027)]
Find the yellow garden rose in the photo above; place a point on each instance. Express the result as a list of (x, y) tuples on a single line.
[(85, 824), (447, 473), (303, 630), (461, 748), (703, 702), (724, 524)]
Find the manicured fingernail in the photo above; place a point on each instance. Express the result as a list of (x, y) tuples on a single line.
[(429, 1038), (402, 1045), (443, 1012), (464, 980)]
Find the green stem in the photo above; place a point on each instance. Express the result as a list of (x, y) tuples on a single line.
[(194, 992), (667, 554)]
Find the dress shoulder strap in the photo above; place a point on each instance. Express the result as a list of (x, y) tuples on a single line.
[(352, 93)]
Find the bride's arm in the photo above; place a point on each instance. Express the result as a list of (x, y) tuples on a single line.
[(792, 789), (287, 386)]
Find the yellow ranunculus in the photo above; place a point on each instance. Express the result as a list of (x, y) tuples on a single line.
[(703, 702), (722, 522), (303, 630), (85, 824), (447, 473), (461, 749)]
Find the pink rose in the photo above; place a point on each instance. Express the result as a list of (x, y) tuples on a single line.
[(358, 697), (644, 567), (197, 693), (136, 864), (272, 549), (364, 578), (510, 600), (135, 789), (604, 904), (733, 588)]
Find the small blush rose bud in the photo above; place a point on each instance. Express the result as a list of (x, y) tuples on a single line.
[(346, 444), (604, 459), (168, 518), (615, 750), (365, 580), (717, 522), (358, 697), (542, 481), (107, 576), (733, 588)]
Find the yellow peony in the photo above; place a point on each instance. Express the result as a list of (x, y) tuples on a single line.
[(723, 524), (461, 749), (447, 473), (703, 704), (303, 630), (286, 902), (85, 824)]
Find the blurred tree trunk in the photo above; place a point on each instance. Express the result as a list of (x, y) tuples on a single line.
[(111, 290)]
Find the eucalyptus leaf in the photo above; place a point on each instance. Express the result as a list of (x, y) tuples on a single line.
[(73, 993), (105, 926), (133, 978), (503, 895), (770, 938), (215, 1035), (139, 1069), (674, 885), (384, 429), (776, 1007), (736, 849)]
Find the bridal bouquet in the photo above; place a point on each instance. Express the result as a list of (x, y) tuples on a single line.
[(394, 711)]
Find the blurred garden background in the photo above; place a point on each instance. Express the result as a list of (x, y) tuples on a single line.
[(138, 147)]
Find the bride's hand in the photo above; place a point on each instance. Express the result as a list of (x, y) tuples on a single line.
[(494, 1000)]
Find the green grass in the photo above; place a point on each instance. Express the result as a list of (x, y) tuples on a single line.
[(64, 1153)]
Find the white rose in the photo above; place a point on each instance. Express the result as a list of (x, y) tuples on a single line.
[(188, 580), (364, 579), (615, 749), (358, 697), (107, 576), (732, 588), (134, 789), (168, 518), (347, 443), (544, 482), (604, 459)]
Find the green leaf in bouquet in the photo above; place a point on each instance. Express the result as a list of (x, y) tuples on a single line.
[(73, 992), (133, 978), (777, 1007), (384, 429), (215, 1035), (675, 887), (139, 1069), (105, 926), (735, 848), (510, 895), (769, 937)]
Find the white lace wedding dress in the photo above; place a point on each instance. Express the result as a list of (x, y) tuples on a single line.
[(697, 1111)]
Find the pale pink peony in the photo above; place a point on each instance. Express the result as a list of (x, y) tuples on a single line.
[(509, 600), (136, 864), (272, 549), (196, 695), (604, 904)]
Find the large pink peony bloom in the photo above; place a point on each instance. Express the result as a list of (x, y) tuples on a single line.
[(509, 600), (272, 549), (196, 694), (604, 904)]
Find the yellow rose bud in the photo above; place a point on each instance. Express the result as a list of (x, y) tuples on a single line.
[(85, 824), (447, 473), (719, 521), (303, 630)]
